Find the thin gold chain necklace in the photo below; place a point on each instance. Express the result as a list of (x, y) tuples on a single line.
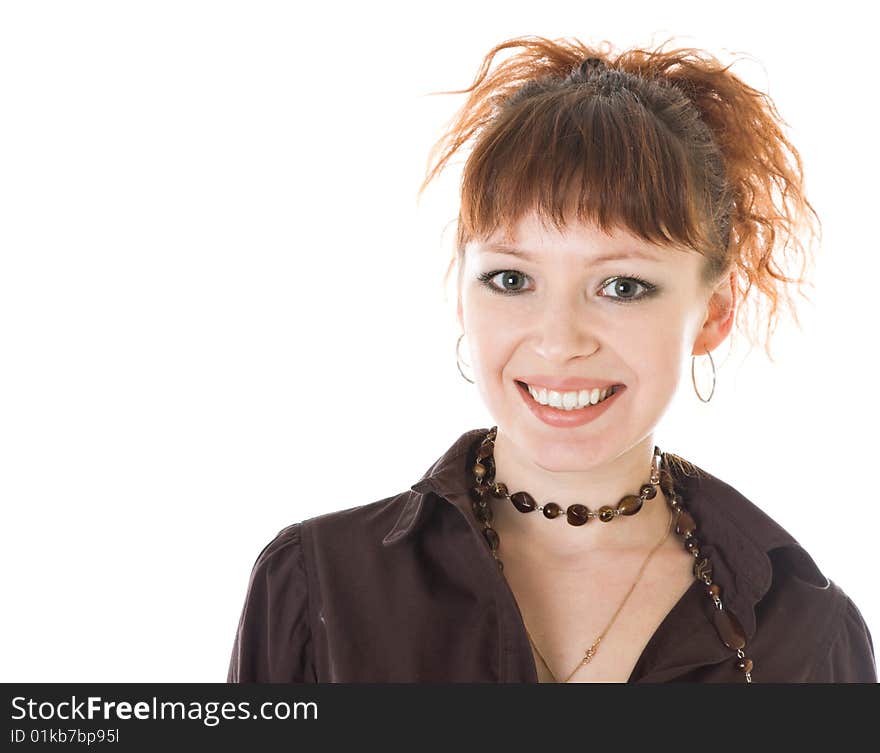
[(591, 651)]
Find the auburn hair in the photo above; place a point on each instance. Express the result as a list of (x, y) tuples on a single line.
[(668, 144)]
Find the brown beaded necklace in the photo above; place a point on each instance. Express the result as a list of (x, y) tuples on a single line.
[(485, 486)]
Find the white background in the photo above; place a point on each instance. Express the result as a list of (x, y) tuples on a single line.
[(222, 310)]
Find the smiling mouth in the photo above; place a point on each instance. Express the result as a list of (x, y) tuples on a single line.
[(614, 390)]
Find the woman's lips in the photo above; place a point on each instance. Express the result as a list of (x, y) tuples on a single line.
[(568, 418)]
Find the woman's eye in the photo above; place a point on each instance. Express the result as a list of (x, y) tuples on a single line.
[(506, 275), (623, 288)]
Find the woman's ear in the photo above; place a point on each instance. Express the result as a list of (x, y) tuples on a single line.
[(720, 309)]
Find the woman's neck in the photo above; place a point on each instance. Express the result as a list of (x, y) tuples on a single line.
[(556, 539)]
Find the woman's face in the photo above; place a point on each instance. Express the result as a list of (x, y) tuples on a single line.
[(633, 321)]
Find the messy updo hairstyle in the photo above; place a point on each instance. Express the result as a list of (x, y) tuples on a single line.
[(667, 144)]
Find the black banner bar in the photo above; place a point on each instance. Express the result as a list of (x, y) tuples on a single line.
[(173, 716)]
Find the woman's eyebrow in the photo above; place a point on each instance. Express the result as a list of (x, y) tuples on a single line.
[(501, 248)]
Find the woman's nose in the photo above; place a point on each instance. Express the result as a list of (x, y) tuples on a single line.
[(564, 330)]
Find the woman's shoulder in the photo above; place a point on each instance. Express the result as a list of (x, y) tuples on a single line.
[(816, 629), (815, 613), (273, 637), (848, 654), (343, 530)]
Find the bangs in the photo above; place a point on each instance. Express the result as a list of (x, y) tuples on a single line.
[(600, 160)]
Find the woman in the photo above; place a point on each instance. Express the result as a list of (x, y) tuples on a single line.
[(614, 211)]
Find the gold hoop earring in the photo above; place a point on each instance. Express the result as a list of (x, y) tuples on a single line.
[(694, 379), (457, 359)]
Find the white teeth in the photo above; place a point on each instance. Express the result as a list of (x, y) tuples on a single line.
[(569, 400)]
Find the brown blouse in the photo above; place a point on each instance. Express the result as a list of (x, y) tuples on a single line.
[(406, 590)]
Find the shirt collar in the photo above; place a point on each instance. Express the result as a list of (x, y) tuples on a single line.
[(733, 533)]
